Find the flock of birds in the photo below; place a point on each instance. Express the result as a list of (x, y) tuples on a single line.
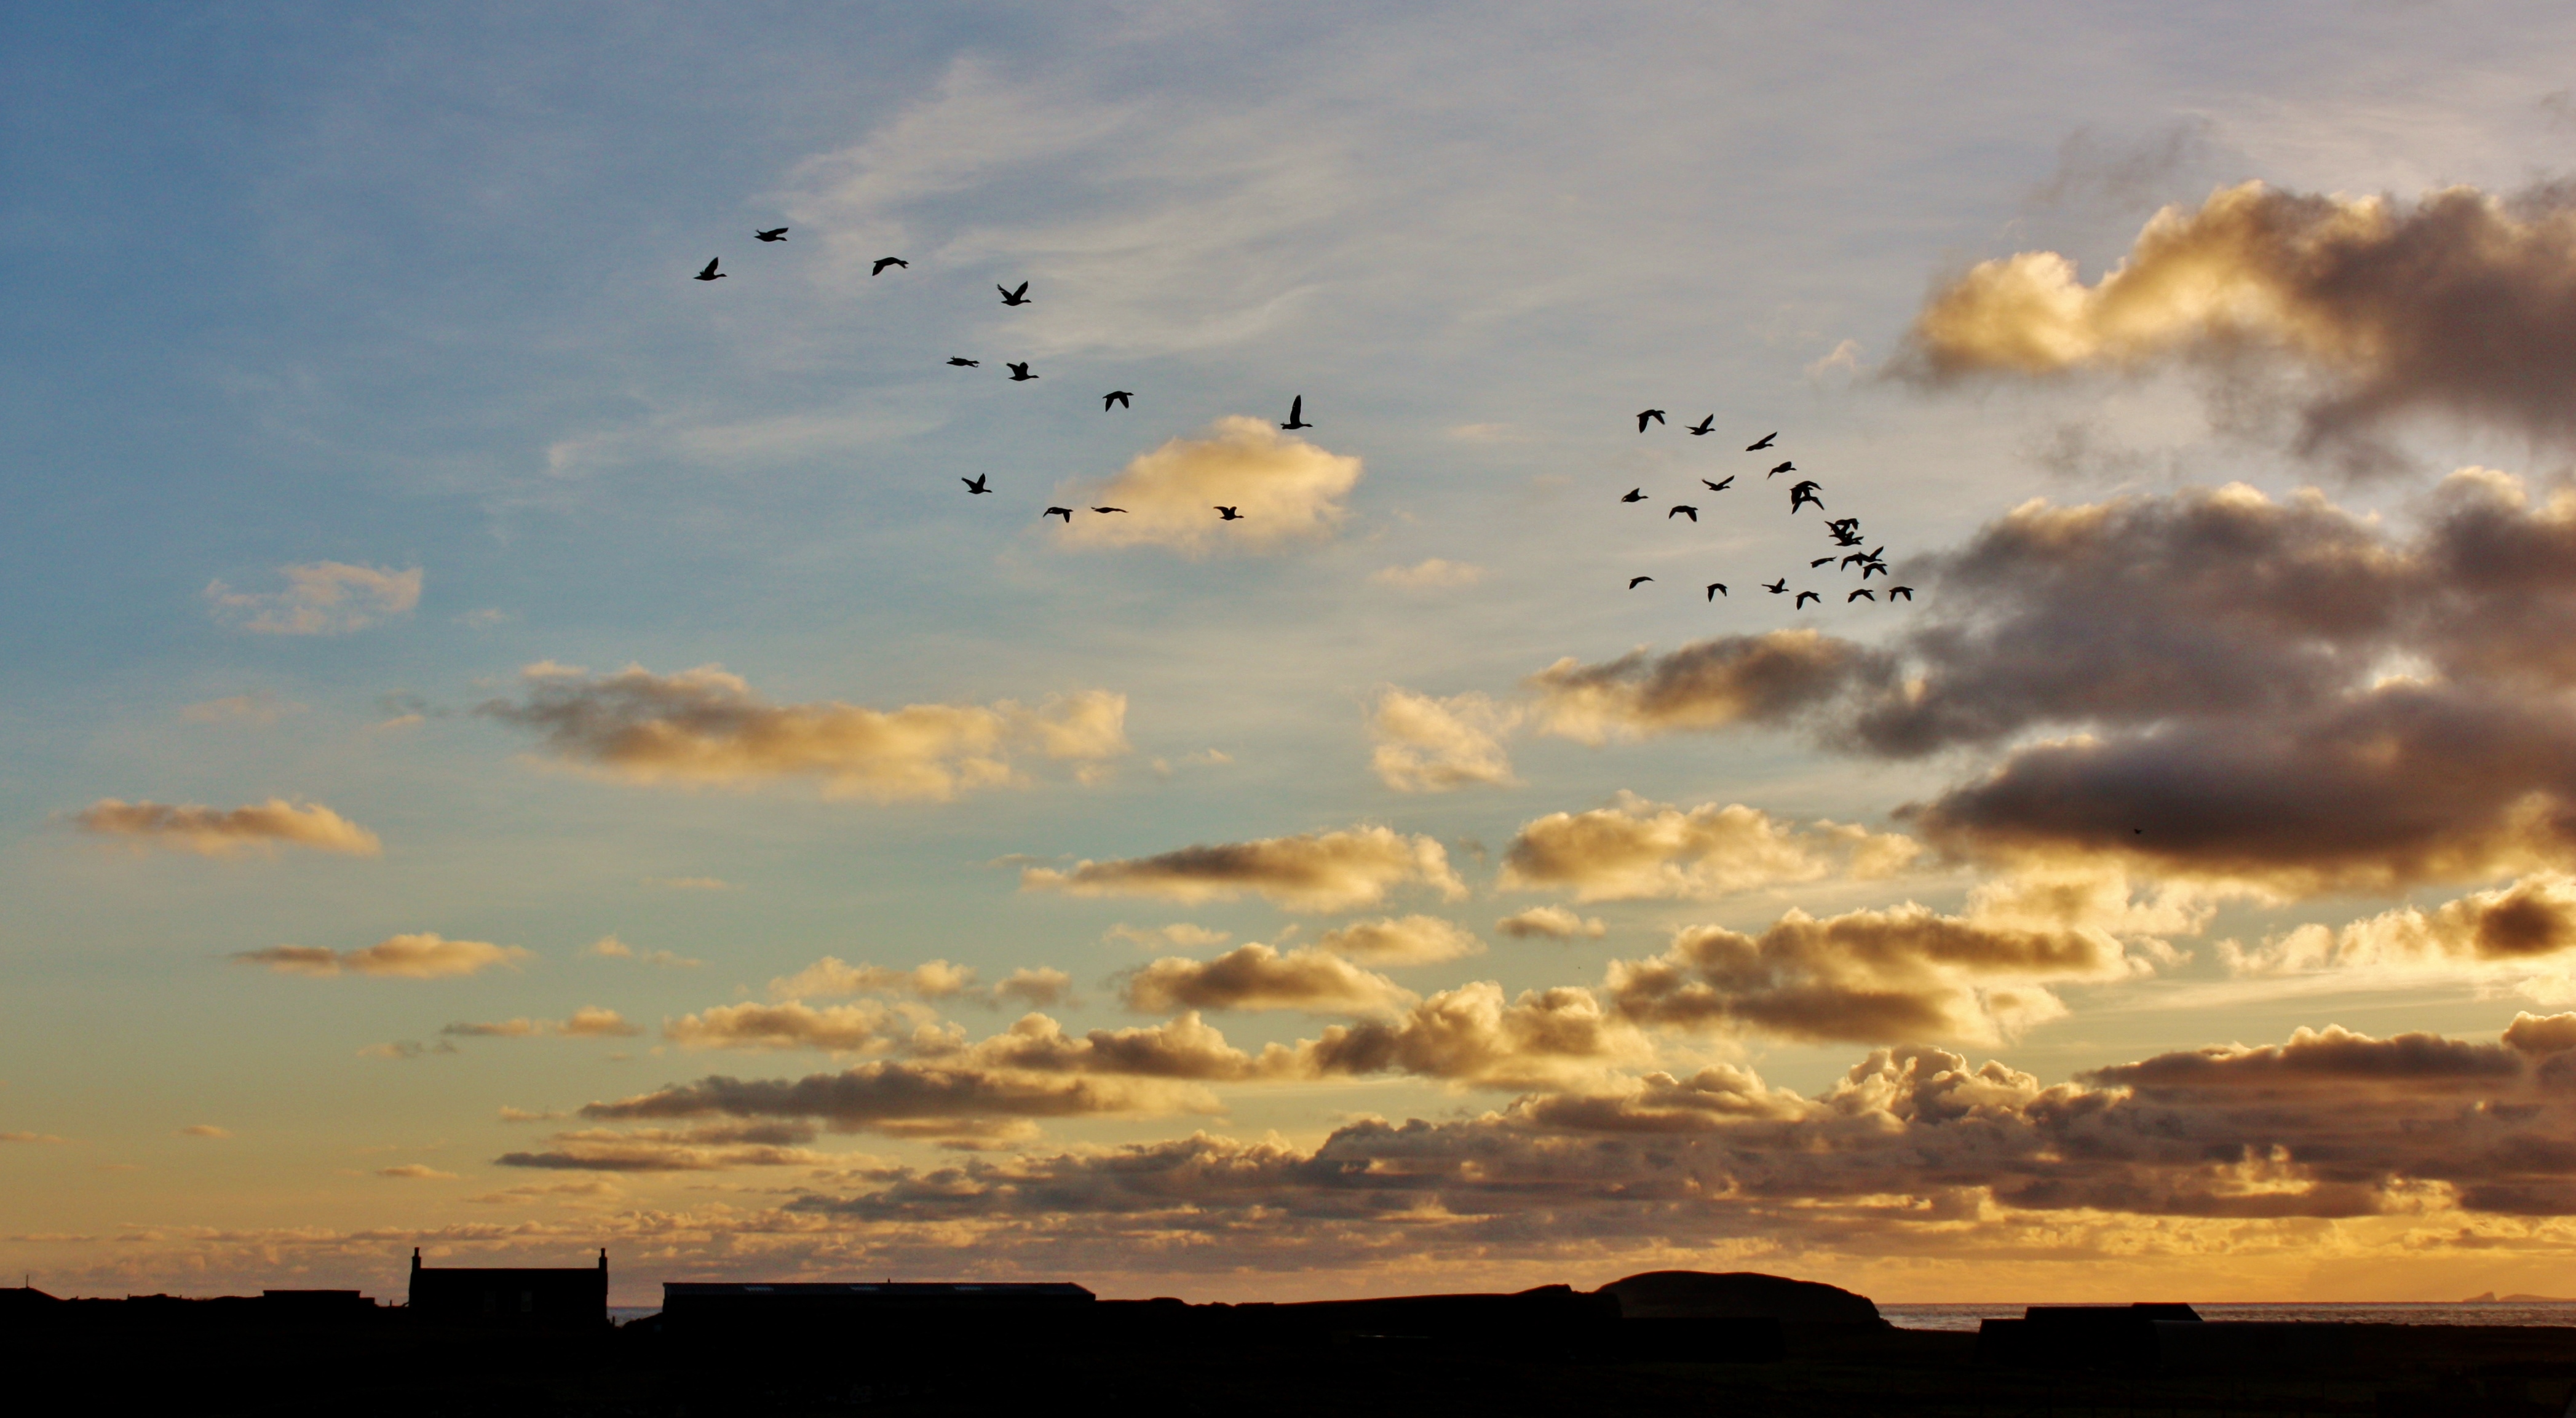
[(1806, 492)]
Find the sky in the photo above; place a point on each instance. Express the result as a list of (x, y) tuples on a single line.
[(509, 749)]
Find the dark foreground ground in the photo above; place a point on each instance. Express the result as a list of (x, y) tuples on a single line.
[(398, 1369)]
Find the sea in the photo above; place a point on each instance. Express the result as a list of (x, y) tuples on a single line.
[(2484, 1312)]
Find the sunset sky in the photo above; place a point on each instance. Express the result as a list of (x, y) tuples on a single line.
[(509, 749)]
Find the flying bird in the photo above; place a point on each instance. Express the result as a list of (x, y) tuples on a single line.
[(1636, 581), (1718, 486), (1015, 297), (1106, 509), (1895, 591), (711, 273), (1860, 556), (1776, 587), (1644, 414), (1820, 561), (1843, 524), (1296, 414), (1021, 371), (1804, 494), (1679, 509), (1705, 425), (1064, 512), (776, 233), (1635, 494), (963, 362), (1118, 397), (1228, 514), (1861, 595), (1785, 467), (1803, 598), (1877, 567), (1765, 442), (884, 261), (1717, 589), (976, 484)]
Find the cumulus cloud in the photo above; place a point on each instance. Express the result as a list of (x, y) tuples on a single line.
[(1321, 871), (1036, 986), (831, 975), (897, 1096), (321, 598), (1433, 574), (1550, 923), (705, 1148), (219, 832), (2461, 302), (609, 947), (705, 726), (1638, 850), (1427, 745), (1767, 680), (868, 1026), (1286, 489), (1409, 940), (425, 956), (2514, 926), (1256, 977), (588, 1022), (1182, 934)]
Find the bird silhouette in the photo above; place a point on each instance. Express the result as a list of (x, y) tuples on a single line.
[(1644, 414), (1820, 561), (1717, 589), (1636, 581), (1804, 494), (1064, 512), (1762, 443), (1785, 467), (963, 362), (1718, 486), (1109, 509), (776, 233), (1015, 297), (1848, 539), (1228, 514), (711, 273), (1296, 414), (1860, 556), (1118, 397), (1803, 598), (1843, 524), (1860, 595), (884, 261), (1021, 371), (976, 484), (1776, 587), (1874, 568), (1706, 425), (1895, 591), (1635, 494), (1679, 509)]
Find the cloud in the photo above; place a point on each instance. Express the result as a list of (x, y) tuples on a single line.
[(1845, 356), (415, 1171), (865, 1027), (1287, 490), (37, 1137), (321, 598), (424, 956), (1411, 940), (1180, 933), (1427, 745), (705, 726), (708, 1148), (257, 707), (610, 947), (1433, 574), (1256, 977), (212, 832), (691, 883), (1640, 850), (1767, 680), (1325, 871), (1034, 986), (408, 1049), (587, 1022), (2461, 302), (938, 979), (1550, 923), (2513, 926), (902, 1097), (207, 1130), (1473, 1035)]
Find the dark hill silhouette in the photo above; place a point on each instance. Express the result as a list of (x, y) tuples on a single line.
[(1737, 1295)]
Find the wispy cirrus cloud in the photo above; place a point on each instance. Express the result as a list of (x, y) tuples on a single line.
[(258, 828), (423, 956), (321, 598), (1322, 871)]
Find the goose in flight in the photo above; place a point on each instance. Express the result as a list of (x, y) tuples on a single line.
[(1785, 467), (1644, 414), (1021, 371), (1848, 539), (1895, 591), (884, 261), (1105, 509), (1296, 415), (1635, 494), (1874, 568), (1718, 486), (1706, 425), (962, 362), (1803, 495), (711, 273), (1228, 514), (1760, 444), (1717, 589), (975, 485), (1803, 598), (1680, 509), (1820, 561), (1064, 512), (1118, 397), (1636, 581), (1843, 524), (1863, 594), (1860, 556), (1015, 297), (1776, 587), (776, 233)]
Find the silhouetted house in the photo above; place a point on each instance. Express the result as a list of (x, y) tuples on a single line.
[(532, 1297)]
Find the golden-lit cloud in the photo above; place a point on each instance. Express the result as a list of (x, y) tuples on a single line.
[(1407, 940), (1640, 850), (706, 1148), (1772, 679), (867, 1026), (424, 956), (609, 947), (1286, 489), (2518, 925), (896, 1096), (706, 727), (831, 975), (1474, 1036), (588, 1022), (416, 1172), (1321, 871), (205, 1130), (1550, 923), (1257, 977), (36, 1137), (321, 598), (1433, 574), (1427, 745), (1180, 934), (223, 832)]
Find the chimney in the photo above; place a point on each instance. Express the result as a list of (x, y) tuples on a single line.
[(603, 1260), (415, 1259)]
